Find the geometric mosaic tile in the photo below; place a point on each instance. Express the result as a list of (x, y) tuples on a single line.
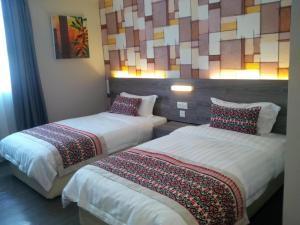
[(196, 38)]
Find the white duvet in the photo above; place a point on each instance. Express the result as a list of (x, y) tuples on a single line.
[(40, 160), (254, 160)]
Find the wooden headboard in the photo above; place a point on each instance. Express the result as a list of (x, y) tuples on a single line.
[(198, 112)]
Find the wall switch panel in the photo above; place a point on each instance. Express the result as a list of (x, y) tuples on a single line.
[(182, 105), (182, 113)]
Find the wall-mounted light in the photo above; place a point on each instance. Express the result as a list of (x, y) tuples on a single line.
[(182, 88)]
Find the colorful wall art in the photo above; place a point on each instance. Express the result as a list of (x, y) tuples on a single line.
[(218, 39), (70, 37)]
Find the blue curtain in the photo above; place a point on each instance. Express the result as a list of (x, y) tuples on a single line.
[(28, 100)]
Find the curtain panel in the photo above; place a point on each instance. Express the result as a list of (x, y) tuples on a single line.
[(7, 117), (28, 100)]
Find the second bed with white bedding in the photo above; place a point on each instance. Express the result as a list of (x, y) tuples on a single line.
[(40, 160), (253, 160)]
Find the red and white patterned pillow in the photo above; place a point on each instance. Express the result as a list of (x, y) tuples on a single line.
[(126, 106), (235, 119)]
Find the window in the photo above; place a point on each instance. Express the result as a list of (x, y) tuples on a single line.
[(5, 85)]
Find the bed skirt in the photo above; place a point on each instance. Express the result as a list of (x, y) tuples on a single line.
[(56, 190), (87, 218)]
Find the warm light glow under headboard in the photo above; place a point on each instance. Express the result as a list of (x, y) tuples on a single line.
[(248, 74), (146, 75)]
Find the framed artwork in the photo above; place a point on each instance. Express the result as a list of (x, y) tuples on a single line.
[(70, 37)]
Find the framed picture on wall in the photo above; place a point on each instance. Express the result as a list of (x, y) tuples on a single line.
[(70, 35)]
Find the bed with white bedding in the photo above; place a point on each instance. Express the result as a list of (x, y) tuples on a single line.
[(252, 161), (38, 163)]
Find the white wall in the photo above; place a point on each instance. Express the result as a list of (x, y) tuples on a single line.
[(291, 214), (72, 87)]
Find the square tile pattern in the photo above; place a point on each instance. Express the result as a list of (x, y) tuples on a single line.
[(197, 38)]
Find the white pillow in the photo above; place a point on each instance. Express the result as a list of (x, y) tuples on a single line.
[(267, 115), (146, 107)]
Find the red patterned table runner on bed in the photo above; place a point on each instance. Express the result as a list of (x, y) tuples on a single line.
[(73, 145), (210, 196)]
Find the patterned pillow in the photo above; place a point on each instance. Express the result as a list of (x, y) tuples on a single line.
[(127, 106), (236, 119)]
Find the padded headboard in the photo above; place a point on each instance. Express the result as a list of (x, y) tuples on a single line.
[(198, 112)]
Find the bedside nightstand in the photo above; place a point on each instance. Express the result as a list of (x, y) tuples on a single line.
[(167, 128)]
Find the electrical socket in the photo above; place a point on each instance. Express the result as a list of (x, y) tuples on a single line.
[(182, 105), (182, 113)]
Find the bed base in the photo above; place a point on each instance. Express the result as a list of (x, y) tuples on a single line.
[(59, 183), (86, 218), (56, 190), (273, 187)]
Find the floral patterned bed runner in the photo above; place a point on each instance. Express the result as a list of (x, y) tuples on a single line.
[(207, 196), (73, 145)]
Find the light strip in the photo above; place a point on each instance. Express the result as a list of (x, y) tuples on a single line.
[(182, 88), (250, 74), (147, 75)]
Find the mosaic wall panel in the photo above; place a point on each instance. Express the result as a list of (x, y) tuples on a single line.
[(196, 38)]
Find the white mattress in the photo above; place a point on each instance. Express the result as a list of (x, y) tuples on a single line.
[(41, 161), (254, 160)]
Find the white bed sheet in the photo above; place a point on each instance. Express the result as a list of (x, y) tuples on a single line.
[(41, 161), (254, 160)]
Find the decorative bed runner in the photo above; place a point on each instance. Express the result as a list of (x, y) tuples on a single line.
[(73, 145), (208, 195)]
